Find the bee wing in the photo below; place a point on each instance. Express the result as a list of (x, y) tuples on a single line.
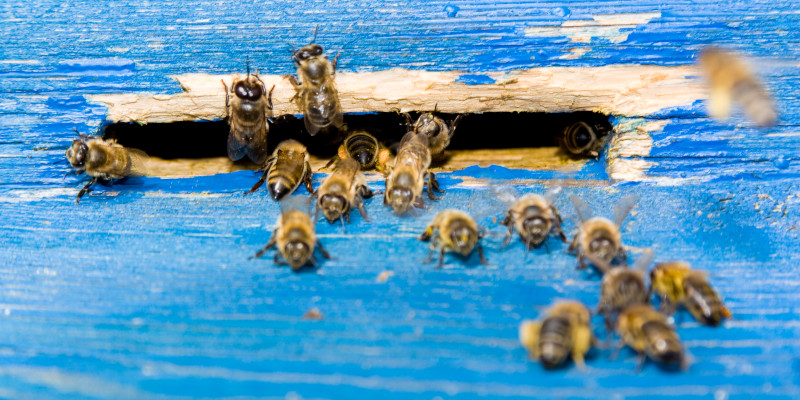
[(311, 128), (257, 150), (139, 162), (301, 203), (583, 209), (505, 193), (644, 260), (237, 146), (551, 194), (622, 208)]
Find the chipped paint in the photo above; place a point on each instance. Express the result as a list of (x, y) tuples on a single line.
[(612, 27)]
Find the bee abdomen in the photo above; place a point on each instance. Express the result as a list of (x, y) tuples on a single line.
[(703, 302), (283, 179), (554, 341), (663, 344), (363, 148), (756, 102)]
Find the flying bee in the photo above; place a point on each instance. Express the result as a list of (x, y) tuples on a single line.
[(341, 191), (622, 288), (563, 332), (407, 178), (364, 148), (453, 230), (535, 218), (731, 80), (285, 170), (294, 237), (598, 239), (647, 331), (677, 284), (104, 161), (316, 95), (580, 140), (436, 129), (248, 107)]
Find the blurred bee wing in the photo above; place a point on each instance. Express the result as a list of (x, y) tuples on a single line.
[(583, 209), (551, 194), (622, 208), (507, 194), (236, 147), (139, 162), (300, 203), (644, 260)]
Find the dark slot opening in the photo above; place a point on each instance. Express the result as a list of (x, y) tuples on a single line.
[(475, 131)]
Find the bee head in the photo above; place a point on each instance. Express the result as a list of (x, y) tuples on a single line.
[(464, 239), (603, 248), (76, 154), (297, 254), (428, 124), (400, 199), (248, 90), (537, 228), (333, 206), (306, 53)]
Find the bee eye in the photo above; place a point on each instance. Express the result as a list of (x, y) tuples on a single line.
[(302, 55), (255, 92), (241, 91), (316, 50)]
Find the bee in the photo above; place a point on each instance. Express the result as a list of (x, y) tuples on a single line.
[(294, 237), (404, 184), (316, 95), (436, 129), (453, 230), (731, 80), (104, 161), (598, 239), (580, 140), (248, 106), (647, 331), (622, 288), (677, 284), (341, 191), (285, 170), (535, 218), (364, 148), (564, 331)]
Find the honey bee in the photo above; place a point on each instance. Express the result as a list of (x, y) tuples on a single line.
[(535, 218), (453, 230), (364, 148), (285, 170), (731, 80), (623, 287), (647, 331), (248, 107), (564, 331), (294, 237), (436, 129), (316, 95), (677, 284), (104, 161), (598, 239), (404, 184), (580, 140), (341, 191)]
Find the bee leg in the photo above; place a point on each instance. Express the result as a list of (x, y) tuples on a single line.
[(419, 203), (277, 261), (331, 162), (266, 248), (227, 95), (510, 223), (269, 97), (546, 246), (307, 178), (640, 359), (581, 263), (292, 80), (365, 192), (432, 179), (85, 190), (361, 209), (480, 254), (334, 62), (432, 248), (430, 189), (322, 250), (409, 121), (259, 183), (577, 358), (441, 258)]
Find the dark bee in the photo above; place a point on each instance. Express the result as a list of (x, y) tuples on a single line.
[(285, 170), (598, 239), (580, 140), (405, 183), (104, 161), (316, 95), (364, 148), (622, 288), (647, 331), (453, 230), (248, 109), (563, 332), (731, 80), (677, 284), (341, 191), (436, 129), (535, 219), (294, 237)]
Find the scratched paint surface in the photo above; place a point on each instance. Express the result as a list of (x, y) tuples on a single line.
[(145, 291)]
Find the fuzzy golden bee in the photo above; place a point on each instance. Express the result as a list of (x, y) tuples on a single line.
[(580, 140), (104, 161), (364, 148), (316, 93), (248, 106), (648, 332), (294, 238), (564, 332), (436, 129), (624, 287), (679, 285), (405, 183), (285, 170), (453, 230), (599, 240), (535, 218), (730, 80), (342, 191)]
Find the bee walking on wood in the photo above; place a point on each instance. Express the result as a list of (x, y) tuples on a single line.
[(405, 183), (622, 288), (563, 332), (364, 148), (647, 331), (342, 191), (285, 170), (453, 230), (731, 80), (580, 140), (677, 284), (294, 237), (248, 106), (104, 161), (436, 129), (535, 218), (598, 239), (316, 95)]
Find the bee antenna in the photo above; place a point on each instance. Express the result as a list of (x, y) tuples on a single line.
[(247, 62), (316, 29), (436, 107)]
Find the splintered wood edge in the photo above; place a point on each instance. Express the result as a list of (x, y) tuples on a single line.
[(624, 90)]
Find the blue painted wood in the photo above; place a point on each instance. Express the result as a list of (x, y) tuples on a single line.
[(144, 291)]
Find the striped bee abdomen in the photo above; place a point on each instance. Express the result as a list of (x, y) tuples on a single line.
[(363, 148), (662, 343), (702, 301), (554, 341)]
